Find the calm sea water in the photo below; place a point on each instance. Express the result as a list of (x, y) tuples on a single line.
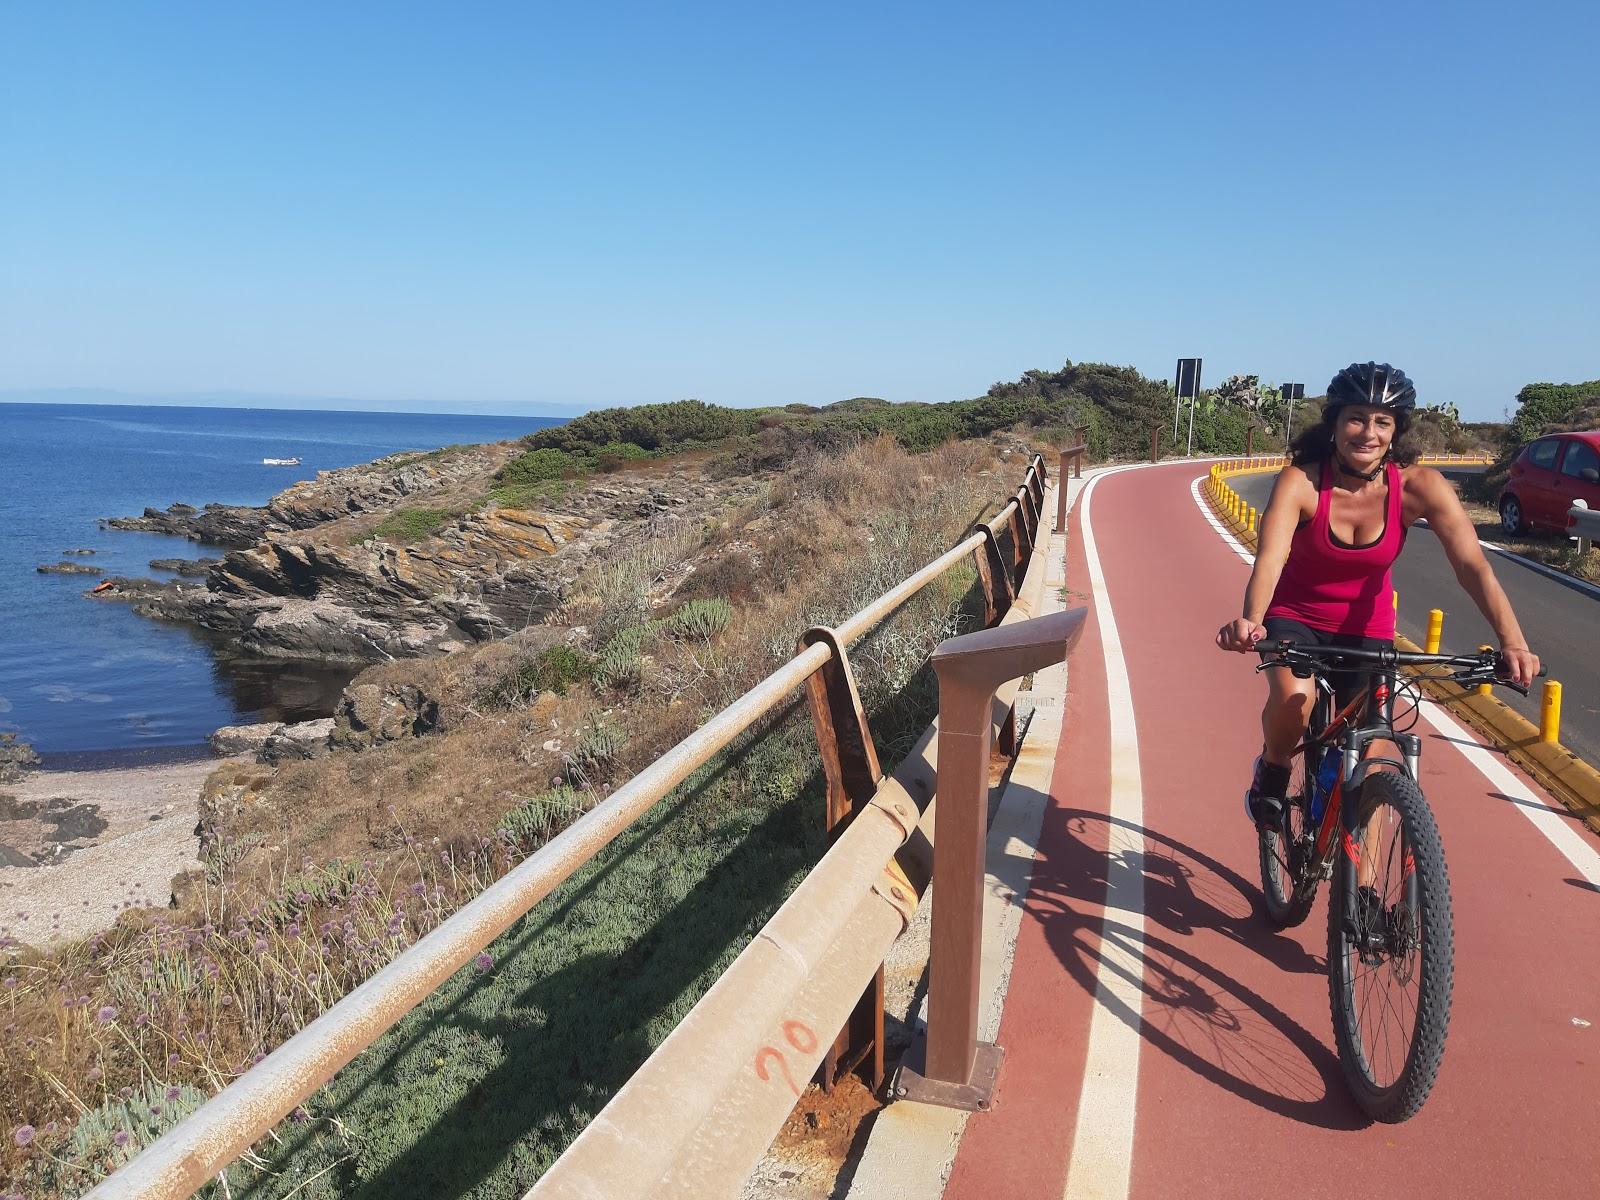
[(89, 683)]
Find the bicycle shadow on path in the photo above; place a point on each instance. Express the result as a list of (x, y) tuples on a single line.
[(1194, 1012)]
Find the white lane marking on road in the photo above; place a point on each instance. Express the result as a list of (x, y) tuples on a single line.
[(1554, 823), (1102, 1143), (1223, 531)]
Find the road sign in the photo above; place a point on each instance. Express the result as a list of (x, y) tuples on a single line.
[(1188, 378)]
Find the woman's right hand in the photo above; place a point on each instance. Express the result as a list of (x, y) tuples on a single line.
[(1240, 635)]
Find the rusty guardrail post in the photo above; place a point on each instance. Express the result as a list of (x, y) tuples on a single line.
[(994, 577), (850, 767), (950, 1067), (1075, 452)]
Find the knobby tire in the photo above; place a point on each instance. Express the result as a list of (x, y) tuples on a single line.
[(1355, 985)]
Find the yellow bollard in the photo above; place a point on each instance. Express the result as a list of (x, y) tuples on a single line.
[(1250, 522), (1435, 630), (1486, 689), (1550, 711), (1397, 599)]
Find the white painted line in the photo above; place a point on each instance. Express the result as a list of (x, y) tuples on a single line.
[(1549, 819), (1554, 822), (1223, 531), (1561, 577), (1101, 1163), (912, 1147)]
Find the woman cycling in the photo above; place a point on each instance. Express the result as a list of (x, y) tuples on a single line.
[(1334, 526)]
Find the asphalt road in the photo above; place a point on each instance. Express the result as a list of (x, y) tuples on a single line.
[(1562, 622)]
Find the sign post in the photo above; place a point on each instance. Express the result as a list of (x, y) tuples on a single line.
[(1188, 385), (1290, 393)]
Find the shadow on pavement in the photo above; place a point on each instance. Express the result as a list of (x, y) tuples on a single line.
[(1193, 1011)]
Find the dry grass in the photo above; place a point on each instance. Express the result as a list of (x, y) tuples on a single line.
[(1550, 549), (322, 871)]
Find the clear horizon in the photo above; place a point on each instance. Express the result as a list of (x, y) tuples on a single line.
[(536, 210)]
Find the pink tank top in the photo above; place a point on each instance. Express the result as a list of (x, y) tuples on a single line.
[(1337, 588)]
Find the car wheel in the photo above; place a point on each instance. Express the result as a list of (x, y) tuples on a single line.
[(1511, 515)]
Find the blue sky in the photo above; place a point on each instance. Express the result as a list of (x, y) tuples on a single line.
[(473, 205)]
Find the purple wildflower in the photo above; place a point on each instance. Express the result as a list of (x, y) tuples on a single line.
[(484, 961), (106, 1015), (174, 1092), (120, 1137), (23, 1134)]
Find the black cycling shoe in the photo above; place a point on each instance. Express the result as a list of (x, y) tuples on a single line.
[(1266, 812), (1264, 808)]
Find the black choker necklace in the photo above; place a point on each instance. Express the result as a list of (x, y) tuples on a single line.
[(1366, 477)]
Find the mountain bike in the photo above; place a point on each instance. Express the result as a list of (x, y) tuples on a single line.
[(1390, 936)]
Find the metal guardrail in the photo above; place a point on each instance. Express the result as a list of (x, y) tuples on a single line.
[(1583, 523), (697, 1116), (195, 1150)]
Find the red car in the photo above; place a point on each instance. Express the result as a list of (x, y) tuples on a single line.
[(1549, 474)]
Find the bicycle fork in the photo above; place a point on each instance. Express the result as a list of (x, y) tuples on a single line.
[(1353, 837)]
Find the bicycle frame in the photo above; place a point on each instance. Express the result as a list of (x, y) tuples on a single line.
[(1377, 706)]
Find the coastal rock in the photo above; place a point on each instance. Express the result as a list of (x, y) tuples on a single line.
[(385, 484), (229, 793), (68, 568), (15, 757), (215, 525), (71, 552), (318, 585), (305, 739), (232, 741), (371, 713), (191, 567)]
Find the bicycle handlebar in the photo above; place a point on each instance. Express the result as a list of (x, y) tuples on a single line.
[(1482, 667)]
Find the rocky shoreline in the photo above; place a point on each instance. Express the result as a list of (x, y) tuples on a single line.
[(311, 576)]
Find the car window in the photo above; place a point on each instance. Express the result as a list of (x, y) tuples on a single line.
[(1580, 456), (1543, 453)]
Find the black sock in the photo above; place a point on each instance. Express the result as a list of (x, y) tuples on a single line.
[(1272, 779)]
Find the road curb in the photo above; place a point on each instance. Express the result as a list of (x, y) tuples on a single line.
[(1558, 770)]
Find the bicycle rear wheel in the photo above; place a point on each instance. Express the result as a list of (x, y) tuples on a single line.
[(1288, 877), (1391, 951)]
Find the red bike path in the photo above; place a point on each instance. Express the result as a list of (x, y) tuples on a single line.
[(1236, 1089)]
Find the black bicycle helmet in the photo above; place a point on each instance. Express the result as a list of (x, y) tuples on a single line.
[(1376, 384)]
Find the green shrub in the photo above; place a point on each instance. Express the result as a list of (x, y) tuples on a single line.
[(108, 1136), (650, 427), (1543, 407), (701, 619), (597, 750), (407, 525), (538, 819), (555, 669), (620, 668)]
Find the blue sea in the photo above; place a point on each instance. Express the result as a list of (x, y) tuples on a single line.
[(89, 683)]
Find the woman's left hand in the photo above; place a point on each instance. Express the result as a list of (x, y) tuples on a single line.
[(1522, 664)]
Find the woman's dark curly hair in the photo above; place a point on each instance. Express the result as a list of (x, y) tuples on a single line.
[(1315, 445)]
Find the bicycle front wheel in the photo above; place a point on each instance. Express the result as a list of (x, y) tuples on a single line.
[(1391, 951)]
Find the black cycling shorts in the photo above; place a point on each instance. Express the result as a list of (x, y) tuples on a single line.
[(1346, 684)]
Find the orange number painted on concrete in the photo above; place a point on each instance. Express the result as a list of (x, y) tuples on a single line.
[(783, 1065), (799, 1035)]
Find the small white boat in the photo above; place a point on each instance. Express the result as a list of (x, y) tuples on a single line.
[(280, 462)]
